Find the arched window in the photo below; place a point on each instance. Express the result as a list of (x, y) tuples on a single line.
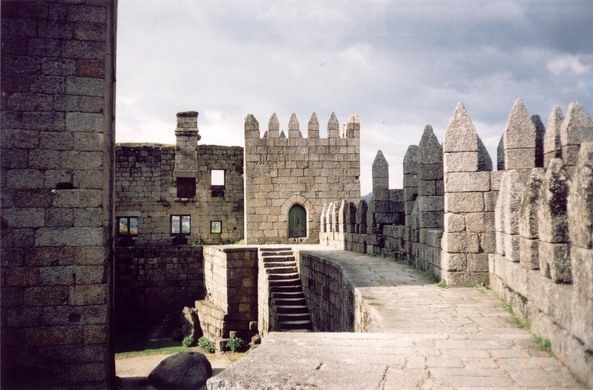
[(297, 221)]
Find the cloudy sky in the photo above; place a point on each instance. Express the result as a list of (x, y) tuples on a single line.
[(398, 64)]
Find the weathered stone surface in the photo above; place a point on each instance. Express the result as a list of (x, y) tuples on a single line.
[(184, 370), (454, 223), (333, 126), (580, 200), (313, 127), (293, 127), (429, 148), (461, 134), (530, 201), (519, 132), (461, 202), (273, 127), (552, 144), (461, 162), (380, 172), (467, 181), (576, 128), (555, 261), (411, 160), (529, 253), (552, 214)]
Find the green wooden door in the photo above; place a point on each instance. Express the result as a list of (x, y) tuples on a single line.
[(297, 221)]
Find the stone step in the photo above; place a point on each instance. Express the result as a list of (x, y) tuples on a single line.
[(283, 317), (282, 270), (284, 279), (277, 258), (279, 264), (288, 301), (290, 288), (294, 324), (288, 294), (287, 252), (293, 309)]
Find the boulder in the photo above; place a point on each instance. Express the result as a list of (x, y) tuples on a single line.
[(184, 370)]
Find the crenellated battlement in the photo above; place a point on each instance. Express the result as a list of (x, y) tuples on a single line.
[(526, 230), (350, 130), (282, 172)]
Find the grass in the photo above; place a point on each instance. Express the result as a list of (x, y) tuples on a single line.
[(151, 347), (443, 284), (544, 344), (480, 287)]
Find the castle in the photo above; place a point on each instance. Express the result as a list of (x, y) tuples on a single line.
[(525, 230)]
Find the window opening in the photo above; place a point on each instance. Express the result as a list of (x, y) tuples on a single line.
[(186, 187), (127, 226), (216, 227), (181, 224)]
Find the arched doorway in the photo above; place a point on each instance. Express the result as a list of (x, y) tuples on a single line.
[(297, 222)]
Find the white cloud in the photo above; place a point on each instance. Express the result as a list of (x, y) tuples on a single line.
[(568, 64)]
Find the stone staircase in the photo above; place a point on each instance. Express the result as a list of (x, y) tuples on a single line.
[(287, 301)]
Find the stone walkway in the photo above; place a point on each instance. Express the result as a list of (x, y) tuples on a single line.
[(427, 338)]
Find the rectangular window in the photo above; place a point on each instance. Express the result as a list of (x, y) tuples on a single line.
[(127, 226), (216, 227), (217, 177), (181, 224), (217, 182), (186, 187)]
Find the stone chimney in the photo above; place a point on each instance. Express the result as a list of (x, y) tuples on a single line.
[(187, 137)]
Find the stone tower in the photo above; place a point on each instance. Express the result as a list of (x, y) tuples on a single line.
[(290, 178)]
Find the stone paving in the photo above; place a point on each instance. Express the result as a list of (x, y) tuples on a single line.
[(427, 337)]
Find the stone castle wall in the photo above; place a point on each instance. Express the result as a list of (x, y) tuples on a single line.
[(281, 172), (151, 282), (57, 146), (525, 230), (145, 187)]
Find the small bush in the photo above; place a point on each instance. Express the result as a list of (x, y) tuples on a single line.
[(443, 284), (235, 344), (206, 345), (544, 344), (188, 341)]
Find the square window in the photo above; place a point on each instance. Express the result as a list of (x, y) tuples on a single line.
[(180, 224), (127, 226), (186, 187), (217, 177), (216, 227)]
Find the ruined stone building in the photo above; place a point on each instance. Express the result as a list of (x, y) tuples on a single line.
[(181, 193)]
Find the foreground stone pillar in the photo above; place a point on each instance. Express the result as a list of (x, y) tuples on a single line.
[(468, 235), (58, 71)]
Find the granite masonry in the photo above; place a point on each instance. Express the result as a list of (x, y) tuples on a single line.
[(525, 230), (58, 74), (287, 180), (188, 191)]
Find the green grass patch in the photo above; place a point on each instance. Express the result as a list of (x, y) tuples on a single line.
[(150, 347), (521, 322), (544, 344), (480, 287), (443, 284)]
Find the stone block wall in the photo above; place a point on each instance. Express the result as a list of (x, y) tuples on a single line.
[(57, 147), (153, 281), (230, 274), (334, 301), (282, 172), (146, 188), (544, 241)]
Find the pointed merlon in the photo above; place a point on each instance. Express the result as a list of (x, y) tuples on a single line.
[(580, 203), (380, 173), (411, 160), (333, 127), (273, 126), (282, 135), (552, 145), (293, 127), (430, 150), (352, 127), (500, 155), (540, 131), (313, 127), (519, 132), (484, 159), (577, 126), (461, 135), (251, 127)]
